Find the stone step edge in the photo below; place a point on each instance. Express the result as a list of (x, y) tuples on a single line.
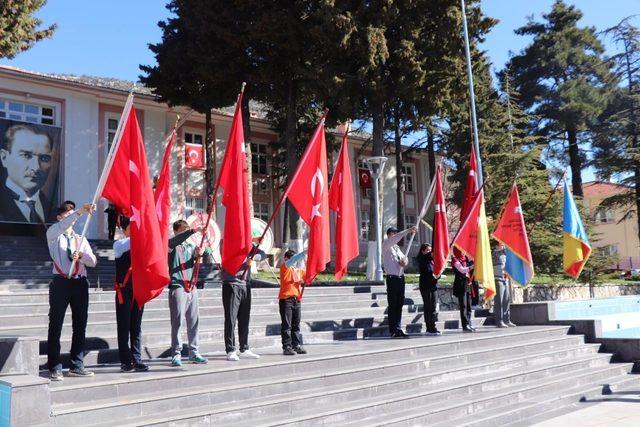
[(396, 397), (75, 407), (371, 352)]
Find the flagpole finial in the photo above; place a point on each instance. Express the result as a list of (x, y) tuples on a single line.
[(244, 84)]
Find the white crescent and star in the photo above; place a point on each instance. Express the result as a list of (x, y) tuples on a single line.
[(319, 178)]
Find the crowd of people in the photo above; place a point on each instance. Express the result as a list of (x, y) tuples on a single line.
[(71, 288)]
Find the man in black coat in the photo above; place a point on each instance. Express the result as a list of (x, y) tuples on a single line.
[(428, 288)]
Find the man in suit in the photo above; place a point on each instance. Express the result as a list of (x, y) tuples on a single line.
[(26, 154)]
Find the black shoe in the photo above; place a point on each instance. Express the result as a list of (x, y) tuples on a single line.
[(80, 372), (140, 367), (433, 332), (56, 375), (126, 367), (300, 350), (468, 329), (399, 334), (288, 352)]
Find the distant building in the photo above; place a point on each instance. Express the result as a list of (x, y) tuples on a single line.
[(613, 236), (85, 112)]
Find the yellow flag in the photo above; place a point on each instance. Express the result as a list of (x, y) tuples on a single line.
[(483, 267)]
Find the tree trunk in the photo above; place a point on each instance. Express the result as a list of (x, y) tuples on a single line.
[(575, 162), (291, 136), (397, 139), (377, 150), (633, 128), (431, 153), (209, 173), (246, 129)]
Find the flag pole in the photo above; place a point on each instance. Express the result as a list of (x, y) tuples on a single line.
[(423, 211), (538, 217), (212, 204), (107, 167), (472, 96)]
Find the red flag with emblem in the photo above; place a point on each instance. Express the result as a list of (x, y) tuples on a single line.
[(309, 195), (441, 247), (128, 187), (233, 181), (193, 156), (341, 201), (471, 188), (162, 193)]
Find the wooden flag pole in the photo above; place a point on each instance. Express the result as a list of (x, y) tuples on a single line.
[(128, 106)]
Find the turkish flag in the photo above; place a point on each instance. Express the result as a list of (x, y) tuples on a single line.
[(308, 193), (129, 188), (162, 194), (441, 247), (471, 187), (236, 235), (467, 238), (341, 201), (193, 157), (364, 177)]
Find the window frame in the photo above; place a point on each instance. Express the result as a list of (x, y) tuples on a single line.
[(23, 116)]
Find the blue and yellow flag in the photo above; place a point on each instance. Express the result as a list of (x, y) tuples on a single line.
[(574, 237)]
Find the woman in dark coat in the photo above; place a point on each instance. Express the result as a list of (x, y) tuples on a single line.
[(461, 286), (428, 288)]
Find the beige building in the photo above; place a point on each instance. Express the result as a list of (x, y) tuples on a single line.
[(613, 235)]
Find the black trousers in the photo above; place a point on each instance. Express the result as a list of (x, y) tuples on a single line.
[(65, 292), (395, 300), (464, 303), (429, 299), (290, 312), (129, 319), (236, 300)]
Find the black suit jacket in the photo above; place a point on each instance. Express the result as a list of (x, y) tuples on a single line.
[(9, 212)]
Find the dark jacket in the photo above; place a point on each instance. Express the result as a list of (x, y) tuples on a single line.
[(460, 280), (425, 267), (243, 276), (9, 212), (123, 263)]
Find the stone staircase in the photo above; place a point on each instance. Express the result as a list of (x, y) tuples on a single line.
[(353, 374)]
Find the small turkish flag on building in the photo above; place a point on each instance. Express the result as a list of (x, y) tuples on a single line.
[(308, 192), (129, 188), (364, 176), (193, 156)]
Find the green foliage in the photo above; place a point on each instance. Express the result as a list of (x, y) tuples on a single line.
[(563, 79), (19, 28)]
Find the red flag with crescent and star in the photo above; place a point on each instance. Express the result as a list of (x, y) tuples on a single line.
[(341, 201), (364, 177), (441, 247), (470, 189), (162, 193), (308, 192), (128, 186), (193, 156)]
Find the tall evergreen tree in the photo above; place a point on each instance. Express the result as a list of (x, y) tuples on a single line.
[(563, 79), (19, 29), (617, 138)]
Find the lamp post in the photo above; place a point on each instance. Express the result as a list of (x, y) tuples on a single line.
[(376, 166)]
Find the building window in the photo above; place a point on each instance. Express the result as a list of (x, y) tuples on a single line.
[(261, 186), (112, 126), (609, 250), (407, 178), (364, 226), (261, 211), (193, 204), (27, 112), (604, 216), (193, 138), (409, 220), (366, 193), (259, 159)]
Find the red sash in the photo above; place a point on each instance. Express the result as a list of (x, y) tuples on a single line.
[(76, 269), (118, 286), (183, 270)]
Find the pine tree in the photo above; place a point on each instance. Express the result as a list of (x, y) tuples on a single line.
[(617, 138), (19, 28), (563, 79)]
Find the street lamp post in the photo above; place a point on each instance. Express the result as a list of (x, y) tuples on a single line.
[(376, 166)]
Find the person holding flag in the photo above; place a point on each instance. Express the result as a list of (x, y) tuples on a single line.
[(428, 286), (502, 300), (576, 246), (290, 303)]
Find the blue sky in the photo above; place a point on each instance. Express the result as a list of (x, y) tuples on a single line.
[(109, 39)]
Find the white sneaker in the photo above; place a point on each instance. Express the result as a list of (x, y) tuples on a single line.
[(248, 354), (232, 357)]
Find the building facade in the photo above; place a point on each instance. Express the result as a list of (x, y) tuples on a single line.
[(614, 234), (80, 116)]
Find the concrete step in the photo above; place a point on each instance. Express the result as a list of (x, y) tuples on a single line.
[(458, 368), (342, 398)]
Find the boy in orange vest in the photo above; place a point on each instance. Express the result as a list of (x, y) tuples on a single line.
[(290, 296)]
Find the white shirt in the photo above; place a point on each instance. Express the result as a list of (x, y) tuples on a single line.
[(121, 246), (392, 254), (22, 200), (57, 242)]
